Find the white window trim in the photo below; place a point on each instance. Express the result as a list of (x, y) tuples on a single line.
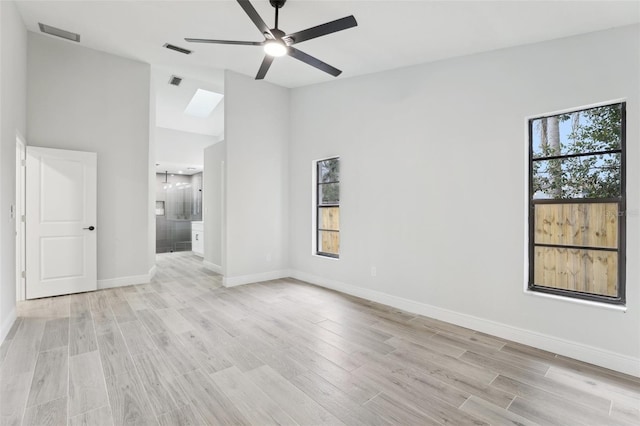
[(609, 306)]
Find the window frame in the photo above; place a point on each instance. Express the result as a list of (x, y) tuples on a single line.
[(620, 298), (318, 206)]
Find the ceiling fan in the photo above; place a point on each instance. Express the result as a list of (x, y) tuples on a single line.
[(277, 43)]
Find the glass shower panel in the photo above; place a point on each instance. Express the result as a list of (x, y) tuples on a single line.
[(179, 202), (173, 230), (196, 189)]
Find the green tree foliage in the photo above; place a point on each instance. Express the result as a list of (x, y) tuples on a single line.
[(591, 176), (328, 172)]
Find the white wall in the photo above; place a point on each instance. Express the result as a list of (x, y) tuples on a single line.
[(212, 196), (83, 99), (257, 138), (433, 164), (176, 146), (13, 94)]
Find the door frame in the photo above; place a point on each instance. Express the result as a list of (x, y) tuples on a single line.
[(21, 159)]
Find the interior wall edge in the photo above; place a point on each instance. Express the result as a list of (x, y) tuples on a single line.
[(603, 358), (212, 266), (7, 324)]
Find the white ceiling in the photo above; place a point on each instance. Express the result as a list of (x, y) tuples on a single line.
[(390, 34), (178, 169), (178, 150)]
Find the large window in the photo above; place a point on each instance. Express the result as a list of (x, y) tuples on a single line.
[(328, 207), (577, 204)]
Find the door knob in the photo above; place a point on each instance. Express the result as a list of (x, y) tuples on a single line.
[(91, 228)]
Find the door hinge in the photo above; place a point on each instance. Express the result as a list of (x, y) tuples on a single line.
[(23, 218), (24, 274)]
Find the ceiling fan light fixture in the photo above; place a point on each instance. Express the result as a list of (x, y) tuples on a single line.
[(275, 48)]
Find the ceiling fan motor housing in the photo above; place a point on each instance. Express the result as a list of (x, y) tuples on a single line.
[(277, 34), (277, 3)]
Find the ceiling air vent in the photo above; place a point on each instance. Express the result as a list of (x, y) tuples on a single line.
[(47, 29), (175, 81), (177, 48)]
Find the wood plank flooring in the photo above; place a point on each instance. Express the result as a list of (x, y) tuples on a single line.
[(183, 350)]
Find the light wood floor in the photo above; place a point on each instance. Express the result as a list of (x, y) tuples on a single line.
[(184, 350)]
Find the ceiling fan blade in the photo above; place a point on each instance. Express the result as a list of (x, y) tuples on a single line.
[(314, 62), (266, 63), (324, 29), (253, 15), (242, 43)]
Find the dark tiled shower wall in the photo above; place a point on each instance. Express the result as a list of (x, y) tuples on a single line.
[(182, 197)]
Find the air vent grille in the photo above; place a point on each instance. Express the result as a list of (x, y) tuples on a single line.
[(177, 48), (48, 29), (175, 80)]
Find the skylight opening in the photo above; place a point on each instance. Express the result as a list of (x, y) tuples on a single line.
[(203, 103)]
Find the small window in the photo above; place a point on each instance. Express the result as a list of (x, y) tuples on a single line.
[(577, 204), (328, 207)]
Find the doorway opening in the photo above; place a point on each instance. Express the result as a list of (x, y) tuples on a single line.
[(189, 118)]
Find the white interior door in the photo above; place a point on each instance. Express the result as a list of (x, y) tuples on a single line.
[(60, 222)]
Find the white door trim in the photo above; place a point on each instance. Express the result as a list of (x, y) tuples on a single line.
[(21, 158)]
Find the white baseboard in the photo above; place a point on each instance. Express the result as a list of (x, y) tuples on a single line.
[(152, 272), (597, 356), (212, 266), (7, 324), (124, 281), (255, 278)]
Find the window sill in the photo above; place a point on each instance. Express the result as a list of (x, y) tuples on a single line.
[(619, 308), (324, 257)]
